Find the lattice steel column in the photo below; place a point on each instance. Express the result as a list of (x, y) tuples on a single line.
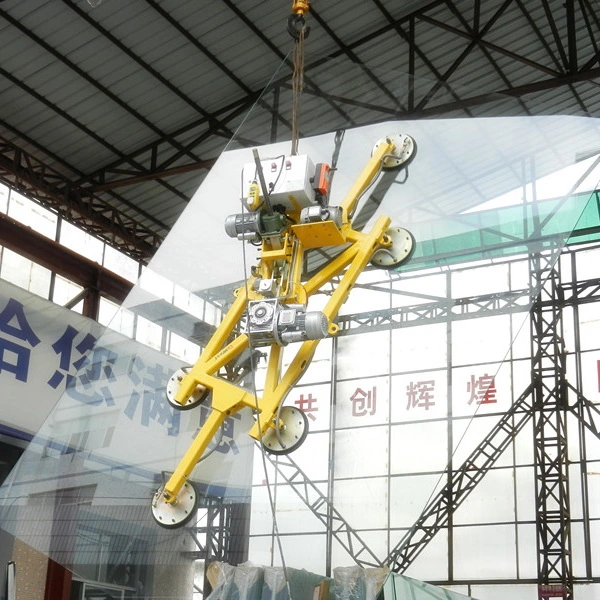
[(548, 369), (322, 508), (221, 535)]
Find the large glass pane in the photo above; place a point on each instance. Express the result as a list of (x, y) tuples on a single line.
[(424, 386)]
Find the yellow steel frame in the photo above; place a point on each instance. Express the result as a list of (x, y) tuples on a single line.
[(228, 398)]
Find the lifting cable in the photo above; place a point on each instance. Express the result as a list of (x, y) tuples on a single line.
[(299, 31)]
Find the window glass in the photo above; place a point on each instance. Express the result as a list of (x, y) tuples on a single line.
[(413, 290), (183, 349), (212, 314), (156, 284), (81, 242), (149, 333), (485, 279), (121, 264), (480, 549), (33, 215), (65, 291), (112, 316), (587, 264), (4, 194), (189, 302), (25, 273), (372, 349)]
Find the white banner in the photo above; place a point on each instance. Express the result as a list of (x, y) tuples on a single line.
[(82, 387)]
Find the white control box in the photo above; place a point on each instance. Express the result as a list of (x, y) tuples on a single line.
[(288, 179)]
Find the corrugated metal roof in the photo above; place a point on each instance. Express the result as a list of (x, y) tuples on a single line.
[(144, 90)]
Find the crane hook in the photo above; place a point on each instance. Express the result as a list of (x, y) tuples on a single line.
[(296, 24)]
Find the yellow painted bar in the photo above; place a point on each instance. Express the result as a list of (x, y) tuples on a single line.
[(263, 405), (224, 356), (328, 272), (297, 266), (191, 380), (279, 254), (366, 248), (228, 397), (365, 177), (227, 400), (273, 368), (193, 455), (272, 398), (227, 324), (359, 255)]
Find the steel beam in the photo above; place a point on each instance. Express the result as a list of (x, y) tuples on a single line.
[(517, 301), (487, 305), (203, 164), (59, 259), (324, 510), (586, 412), (146, 66), (39, 182), (84, 75)]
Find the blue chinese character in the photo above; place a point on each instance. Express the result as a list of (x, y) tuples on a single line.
[(93, 365), (154, 403), (13, 322)]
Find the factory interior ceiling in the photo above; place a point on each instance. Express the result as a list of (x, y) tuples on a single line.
[(112, 113)]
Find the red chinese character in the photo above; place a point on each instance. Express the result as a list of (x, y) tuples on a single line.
[(307, 405), (420, 394), (482, 390), (364, 402)]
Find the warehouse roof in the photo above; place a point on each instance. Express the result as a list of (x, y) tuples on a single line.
[(111, 113)]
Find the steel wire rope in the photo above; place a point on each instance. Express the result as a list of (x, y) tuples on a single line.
[(297, 85)]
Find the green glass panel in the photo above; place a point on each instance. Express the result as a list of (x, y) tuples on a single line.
[(400, 587), (509, 231)]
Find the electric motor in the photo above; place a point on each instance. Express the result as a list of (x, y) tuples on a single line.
[(253, 226), (317, 214), (244, 226), (302, 326), (271, 322)]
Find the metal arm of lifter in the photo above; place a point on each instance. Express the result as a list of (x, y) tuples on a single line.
[(264, 315)]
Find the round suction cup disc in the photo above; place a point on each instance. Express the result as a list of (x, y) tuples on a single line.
[(178, 513), (292, 432), (404, 151), (173, 386), (402, 248)]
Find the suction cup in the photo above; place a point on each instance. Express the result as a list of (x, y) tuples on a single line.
[(178, 513), (173, 385), (292, 432), (402, 248), (404, 151)]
